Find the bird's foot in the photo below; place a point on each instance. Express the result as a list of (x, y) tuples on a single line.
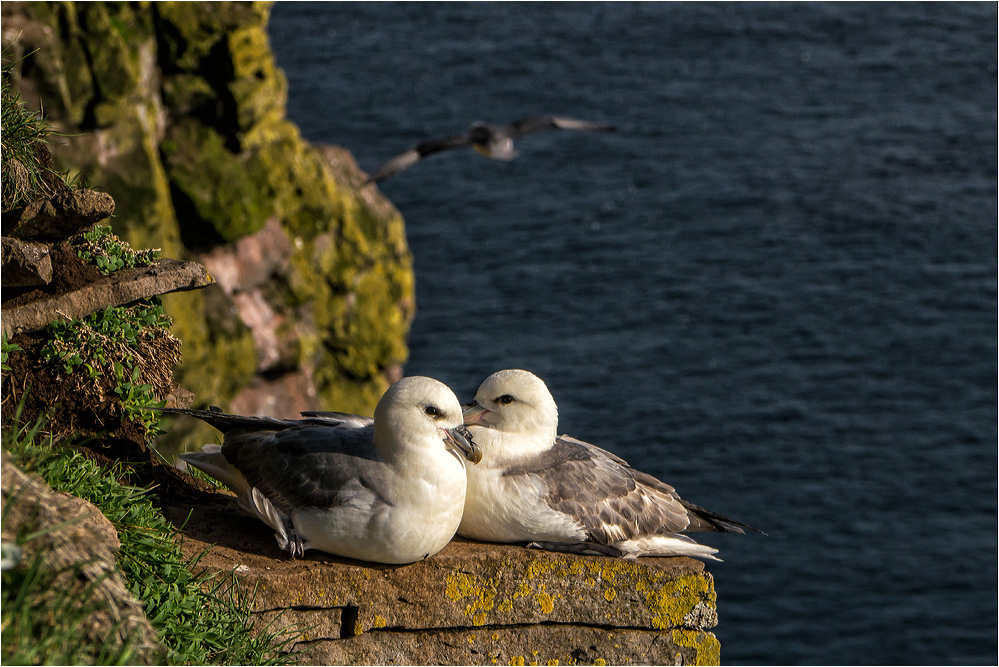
[(296, 545)]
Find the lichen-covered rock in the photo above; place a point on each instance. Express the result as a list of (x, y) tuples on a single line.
[(179, 112), (470, 603)]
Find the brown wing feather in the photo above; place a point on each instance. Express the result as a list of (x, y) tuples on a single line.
[(610, 500)]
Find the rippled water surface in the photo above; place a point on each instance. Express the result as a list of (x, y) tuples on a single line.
[(774, 287)]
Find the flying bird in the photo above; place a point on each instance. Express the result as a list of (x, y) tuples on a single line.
[(562, 494), (387, 490), (494, 141)]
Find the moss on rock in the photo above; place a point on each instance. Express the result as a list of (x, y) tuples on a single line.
[(180, 108), (220, 196)]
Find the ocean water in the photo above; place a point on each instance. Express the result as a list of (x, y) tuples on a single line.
[(774, 287)]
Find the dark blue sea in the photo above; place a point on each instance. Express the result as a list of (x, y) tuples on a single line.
[(774, 287)]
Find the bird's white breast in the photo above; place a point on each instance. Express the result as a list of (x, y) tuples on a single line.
[(512, 508), (419, 520)]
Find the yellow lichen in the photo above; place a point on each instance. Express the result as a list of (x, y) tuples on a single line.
[(706, 645), (669, 602), (599, 661), (610, 594), (545, 601), (517, 660), (379, 622), (461, 585)]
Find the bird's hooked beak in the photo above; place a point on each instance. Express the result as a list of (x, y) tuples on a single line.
[(460, 441), (474, 414)]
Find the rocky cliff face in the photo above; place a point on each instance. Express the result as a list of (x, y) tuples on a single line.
[(180, 112), (470, 604)]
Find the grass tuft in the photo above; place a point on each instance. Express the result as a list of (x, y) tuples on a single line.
[(27, 172), (126, 351)]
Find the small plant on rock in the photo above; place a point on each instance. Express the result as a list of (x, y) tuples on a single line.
[(122, 351), (100, 246)]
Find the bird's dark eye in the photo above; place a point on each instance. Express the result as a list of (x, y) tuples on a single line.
[(505, 399), (432, 411)]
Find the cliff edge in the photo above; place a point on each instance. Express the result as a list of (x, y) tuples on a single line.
[(471, 603)]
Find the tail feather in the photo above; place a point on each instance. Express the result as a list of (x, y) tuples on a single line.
[(226, 423), (706, 521), (211, 462)]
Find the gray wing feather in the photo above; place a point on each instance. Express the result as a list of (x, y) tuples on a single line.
[(535, 123), (417, 153), (309, 466), (341, 418), (706, 521), (612, 501), (395, 165), (300, 463)]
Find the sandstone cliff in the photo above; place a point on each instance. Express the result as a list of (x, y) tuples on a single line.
[(179, 112)]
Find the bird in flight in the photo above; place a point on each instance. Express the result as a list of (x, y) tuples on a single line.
[(494, 141)]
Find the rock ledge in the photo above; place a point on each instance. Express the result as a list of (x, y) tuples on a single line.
[(471, 603)]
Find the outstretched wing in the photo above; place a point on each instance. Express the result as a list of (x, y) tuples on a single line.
[(417, 153), (535, 123)]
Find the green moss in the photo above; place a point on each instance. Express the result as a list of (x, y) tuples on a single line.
[(225, 196), (192, 31), (186, 94), (110, 29), (258, 87), (219, 356)]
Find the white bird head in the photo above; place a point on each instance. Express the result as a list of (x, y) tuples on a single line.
[(515, 402), (416, 411)]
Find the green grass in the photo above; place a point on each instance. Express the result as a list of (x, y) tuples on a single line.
[(200, 619), (6, 347), (26, 170), (44, 629)]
